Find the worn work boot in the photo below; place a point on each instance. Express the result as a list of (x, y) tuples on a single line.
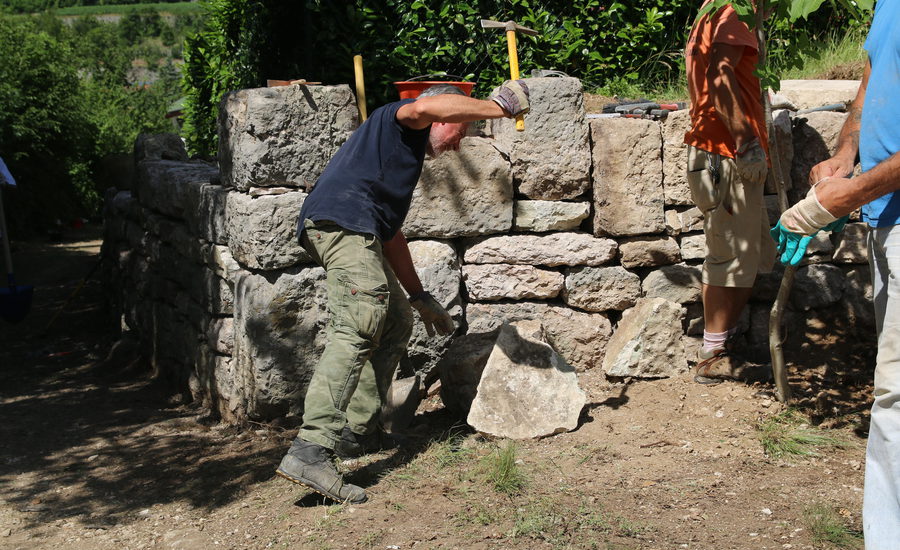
[(720, 364), (311, 464), (352, 445)]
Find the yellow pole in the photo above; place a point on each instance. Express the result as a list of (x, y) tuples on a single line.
[(514, 70), (360, 87)]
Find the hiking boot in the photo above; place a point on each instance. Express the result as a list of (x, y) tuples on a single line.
[(311, 464), (352, 445), (720, 364)]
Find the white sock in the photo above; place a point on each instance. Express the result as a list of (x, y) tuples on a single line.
[(714, 340)]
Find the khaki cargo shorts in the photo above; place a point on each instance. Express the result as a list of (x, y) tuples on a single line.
[(738, 244)]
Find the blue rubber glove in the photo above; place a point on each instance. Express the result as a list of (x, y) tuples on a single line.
[(791, 246), (838, 225)]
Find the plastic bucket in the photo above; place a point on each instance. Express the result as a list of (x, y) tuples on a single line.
[(410, 89)]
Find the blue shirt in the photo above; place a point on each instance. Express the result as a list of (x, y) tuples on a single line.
[(368, 185), (879, 135)]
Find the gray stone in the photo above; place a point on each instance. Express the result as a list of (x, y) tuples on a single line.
[(674, 158), (649, 252), (783, 138), (550, 250), (282, 136), (460, 369), (808, 94), (683, 220), (851, 247), (578, 336), (693, 247), (498, 281), (817, 286), (551, 158), (207, 220), (165, 186), (438, 268), (858, 296), (541, 216), (526, 390), (601, 288), (279, 329), (628, 191), (463, 193), (262, 231), (647, 342), (676, 283), (815, 139), (220, 335), (773, 209), (159, 147)]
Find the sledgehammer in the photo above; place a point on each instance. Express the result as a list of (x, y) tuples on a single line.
[(511, 28)]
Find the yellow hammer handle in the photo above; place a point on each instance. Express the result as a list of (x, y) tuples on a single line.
[(360, 87), (514, 70)]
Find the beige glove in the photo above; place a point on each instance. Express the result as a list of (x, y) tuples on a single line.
[(807, 216), (750, 160), (433, 315)]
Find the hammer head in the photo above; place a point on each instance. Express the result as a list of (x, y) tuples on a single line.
[(507, 26)]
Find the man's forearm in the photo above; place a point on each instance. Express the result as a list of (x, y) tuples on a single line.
[(848, 140), (842, 196), (396, 251)]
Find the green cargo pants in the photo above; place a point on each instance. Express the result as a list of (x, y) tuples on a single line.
[(369, 326)]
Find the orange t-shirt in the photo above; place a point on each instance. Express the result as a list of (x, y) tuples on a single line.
[(707, 130)]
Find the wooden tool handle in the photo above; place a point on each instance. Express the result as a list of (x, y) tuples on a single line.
[(360, 87), (514, 70)]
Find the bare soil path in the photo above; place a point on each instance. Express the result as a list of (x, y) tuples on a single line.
[(96, 455)]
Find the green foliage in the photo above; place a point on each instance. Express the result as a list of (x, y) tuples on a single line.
[(36, 6), (502, 470)]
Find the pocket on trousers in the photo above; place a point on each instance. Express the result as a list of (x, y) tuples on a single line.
[(365, 307), (704, 191)]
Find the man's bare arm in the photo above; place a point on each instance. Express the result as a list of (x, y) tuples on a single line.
[(724, 91), (396, 251), (841, 196), (841, 163), (447, 108)]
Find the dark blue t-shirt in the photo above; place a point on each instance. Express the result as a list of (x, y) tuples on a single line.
[(368, 184)]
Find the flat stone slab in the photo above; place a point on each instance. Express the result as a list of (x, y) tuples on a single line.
[(539, 216), (808, 94), (498, 281), (601, 288), (648, 341), (526, 390), (550, 250)]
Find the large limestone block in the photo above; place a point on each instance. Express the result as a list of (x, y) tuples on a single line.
[(674, 158), (551, 158), (462, 193), (551, 250), (676, 283), (628, 191), (517, 282), (578, 336), (164, 146), (808, 94), (539, 216), (527, 389), (815, 139), (220, 335), (460, 369), (282, 136), (262, 231), (817, 286), (279, 334), (437, 265), (649, 252), (207, 220), (852, 248), (648, 341), (167, 186), (601, 288)]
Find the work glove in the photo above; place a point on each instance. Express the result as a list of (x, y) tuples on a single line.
[(799, 224), (750, 160), (433, 315), (512, 97)]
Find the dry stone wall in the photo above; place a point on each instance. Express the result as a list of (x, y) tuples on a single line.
[(582, 223)]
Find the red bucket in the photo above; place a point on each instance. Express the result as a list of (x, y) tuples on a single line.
[(410, 89)]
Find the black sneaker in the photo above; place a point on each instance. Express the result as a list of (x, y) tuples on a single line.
[(312, 465)]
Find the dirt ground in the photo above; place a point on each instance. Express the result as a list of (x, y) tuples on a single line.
[(97, 456)]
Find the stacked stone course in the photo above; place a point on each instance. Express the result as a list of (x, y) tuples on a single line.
[(583, 223)]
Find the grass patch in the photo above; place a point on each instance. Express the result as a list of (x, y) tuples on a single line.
[(173, 8), (827, 527), (557, 524), (839, 57), (788, 434), (502, 470)]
